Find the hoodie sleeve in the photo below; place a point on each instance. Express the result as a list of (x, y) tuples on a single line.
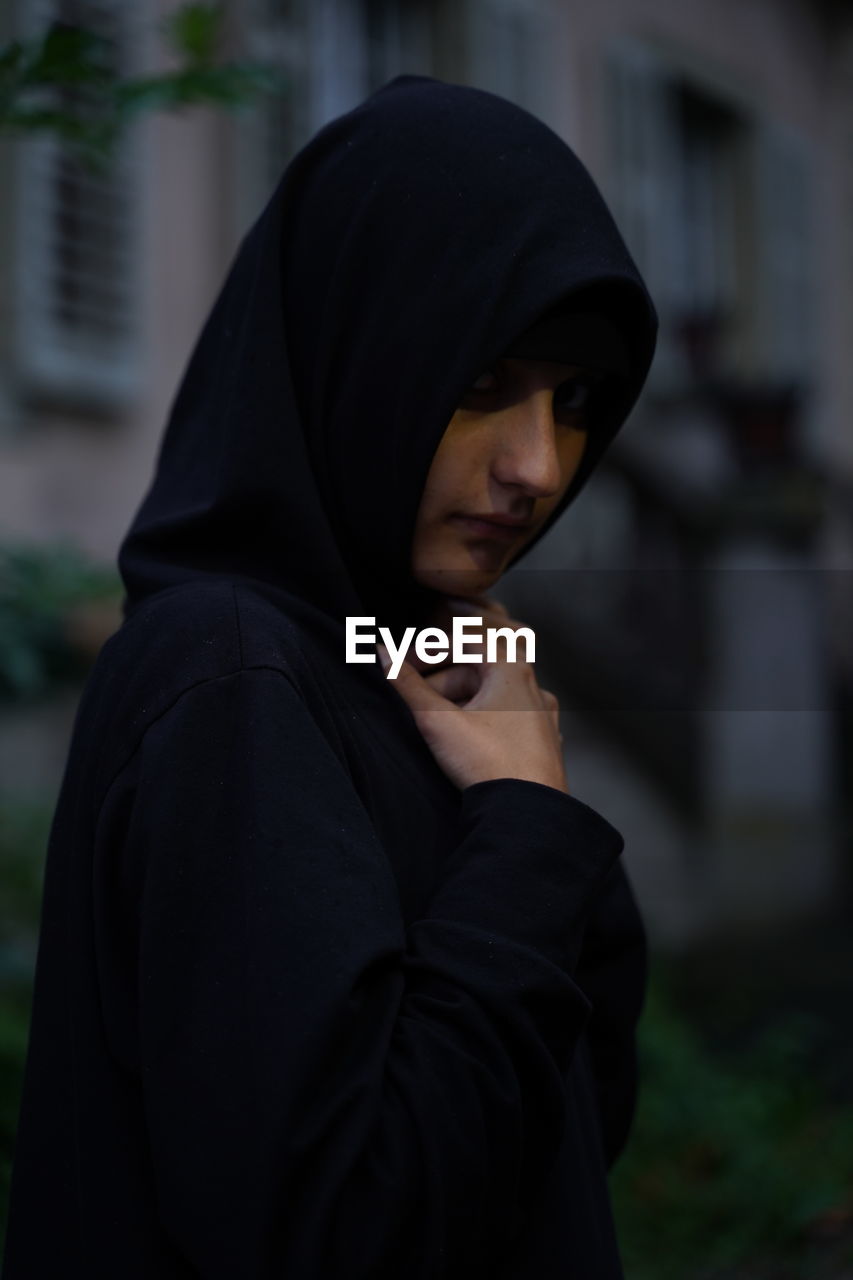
[(327, 1093), (612, 972)]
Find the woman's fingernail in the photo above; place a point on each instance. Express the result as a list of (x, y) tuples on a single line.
[(384, 656)]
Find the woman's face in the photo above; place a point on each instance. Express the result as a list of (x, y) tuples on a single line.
[(507, 457)]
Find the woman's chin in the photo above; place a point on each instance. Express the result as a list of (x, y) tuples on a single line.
[(458, 582)]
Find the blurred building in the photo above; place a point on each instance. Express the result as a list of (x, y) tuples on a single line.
[(697, 594)]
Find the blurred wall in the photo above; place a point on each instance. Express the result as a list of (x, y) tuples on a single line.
[(720, 132), (80, 411)]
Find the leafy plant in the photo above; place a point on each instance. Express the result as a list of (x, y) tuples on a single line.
[(14, 1024), (39, 586), (66, 82), (24, 827), (731, 1161)]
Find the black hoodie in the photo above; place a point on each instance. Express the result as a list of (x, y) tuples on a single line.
[(302, 1008)]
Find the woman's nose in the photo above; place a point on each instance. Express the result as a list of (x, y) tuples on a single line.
[(527, 449)]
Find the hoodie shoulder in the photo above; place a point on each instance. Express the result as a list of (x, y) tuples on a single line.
[(202, 630), (171, 643)]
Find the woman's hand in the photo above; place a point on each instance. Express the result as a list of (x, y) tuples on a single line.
[(489, 720)]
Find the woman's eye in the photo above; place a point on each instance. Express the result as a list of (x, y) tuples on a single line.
[(573, 396), (487, 381)]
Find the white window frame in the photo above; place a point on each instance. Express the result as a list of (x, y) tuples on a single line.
[(70, 363)]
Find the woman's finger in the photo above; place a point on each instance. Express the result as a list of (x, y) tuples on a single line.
[(413, 688), (458, 684), (553, 706)]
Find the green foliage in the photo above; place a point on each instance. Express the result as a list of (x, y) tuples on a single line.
[(39, 585), (732, 1160), (54, 84), (66, 83), (14, 1023), (225, 86), (24, 828), (194, 31)]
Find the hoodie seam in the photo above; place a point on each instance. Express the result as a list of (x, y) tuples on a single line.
[(225, 675), (237, 625)]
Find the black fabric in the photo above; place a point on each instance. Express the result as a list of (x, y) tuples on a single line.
[(574, 337), (302, 1008)]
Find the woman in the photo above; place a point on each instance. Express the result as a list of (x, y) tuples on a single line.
[(335, 976)]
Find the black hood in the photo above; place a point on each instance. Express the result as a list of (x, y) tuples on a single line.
[(403, 250)]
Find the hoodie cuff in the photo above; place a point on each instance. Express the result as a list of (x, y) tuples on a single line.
[(527, 866)]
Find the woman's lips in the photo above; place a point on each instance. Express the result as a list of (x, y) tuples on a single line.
[(506, 531)]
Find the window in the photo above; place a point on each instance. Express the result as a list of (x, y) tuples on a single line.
[(331, 53), (712, 199), (507, 51), (316, 48), (75, 235), (705, 281), (398, 39)]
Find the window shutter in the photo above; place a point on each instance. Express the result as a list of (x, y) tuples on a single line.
[(76, 274)]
